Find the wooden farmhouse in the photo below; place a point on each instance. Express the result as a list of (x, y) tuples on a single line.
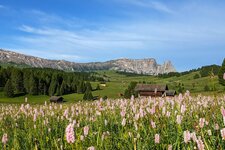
[(56, 99), (154, 90)]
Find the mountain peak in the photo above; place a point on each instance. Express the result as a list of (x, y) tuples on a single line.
[(139, 66)]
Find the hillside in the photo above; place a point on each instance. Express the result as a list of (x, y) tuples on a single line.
[(119, 81), (140, 66)]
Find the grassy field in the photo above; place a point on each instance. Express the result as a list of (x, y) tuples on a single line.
[(138, 124), (119, 82)]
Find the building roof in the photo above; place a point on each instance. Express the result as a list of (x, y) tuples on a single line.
[(170, 92), (56, 98), (151, 87)]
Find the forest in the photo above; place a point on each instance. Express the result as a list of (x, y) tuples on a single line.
[(38, 81)]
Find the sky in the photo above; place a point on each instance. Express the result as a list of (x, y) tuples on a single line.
[(190, 33)]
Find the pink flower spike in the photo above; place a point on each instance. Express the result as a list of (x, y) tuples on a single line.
[(4, 138), (157, 138), (223, 133), (187, 136), (86, 130), (70, 133)]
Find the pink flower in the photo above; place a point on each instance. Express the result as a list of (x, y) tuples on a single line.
[(223, 133), (187, 136), (81, 137), (157, 138), (86, 130), (70, 133), (201, 122), (123, 113), (209, 132), (153, 124), (178, 119), (91, 148), (216, 127), (193, 136), (123, 122), (4, 138), (183, 109), (170, 147), (200, 144)]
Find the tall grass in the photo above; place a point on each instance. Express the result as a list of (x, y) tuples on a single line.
[(182, 122)]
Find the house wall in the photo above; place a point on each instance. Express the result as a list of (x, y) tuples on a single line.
[(150, 93)]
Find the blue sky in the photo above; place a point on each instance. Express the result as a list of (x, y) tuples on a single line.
[(190, 33)]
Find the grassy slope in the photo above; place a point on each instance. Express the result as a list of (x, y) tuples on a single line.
[(119, 83)]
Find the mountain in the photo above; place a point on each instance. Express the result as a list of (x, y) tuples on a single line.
[(138, 66)]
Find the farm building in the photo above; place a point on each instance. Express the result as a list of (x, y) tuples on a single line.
[(153, 90), (56, 99), (170, 93)]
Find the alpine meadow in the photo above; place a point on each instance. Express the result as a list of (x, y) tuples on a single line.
[(112, 75)]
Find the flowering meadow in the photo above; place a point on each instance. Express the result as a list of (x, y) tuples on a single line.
[(181, 122)]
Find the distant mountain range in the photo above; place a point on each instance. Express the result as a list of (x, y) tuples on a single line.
[(138, 66)]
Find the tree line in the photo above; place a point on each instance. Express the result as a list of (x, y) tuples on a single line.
[(39, 81)]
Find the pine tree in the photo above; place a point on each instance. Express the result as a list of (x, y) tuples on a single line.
[(53, 85), (17, 81), (221, 74), (8, 89), (88, 86), (81, 87), (63, 88), (98, 87), (88, 95), (33, 84)]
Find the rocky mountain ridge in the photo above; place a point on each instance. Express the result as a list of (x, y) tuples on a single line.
[(139, 66)]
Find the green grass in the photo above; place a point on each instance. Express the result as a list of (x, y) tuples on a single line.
[(119, 82)]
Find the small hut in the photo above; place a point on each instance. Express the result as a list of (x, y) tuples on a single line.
[(151, 90), (170, 93), (56, 99)]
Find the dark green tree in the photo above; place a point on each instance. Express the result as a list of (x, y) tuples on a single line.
[(221, 74), (98, 87), (130, 90), (33, 84), (88, 86), (88, 95), (8, 89), (81, 87), (53, 85), (17, 81), (206, 88), (63, 88)]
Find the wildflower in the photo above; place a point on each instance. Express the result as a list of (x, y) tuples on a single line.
[(106, 122), (153, 124), (183, 109), (216, 126), (200, 144), (193, 136), (86, 130), (170, 147), (187, 136), (123, 122), (4, 138), (209, 132), (223, 133), (70, 133), (178, 119), (91, 148), (81, 137), (201, 122), (157, 138), (123, 113)]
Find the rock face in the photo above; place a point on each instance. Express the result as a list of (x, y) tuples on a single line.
[(138, 66)]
